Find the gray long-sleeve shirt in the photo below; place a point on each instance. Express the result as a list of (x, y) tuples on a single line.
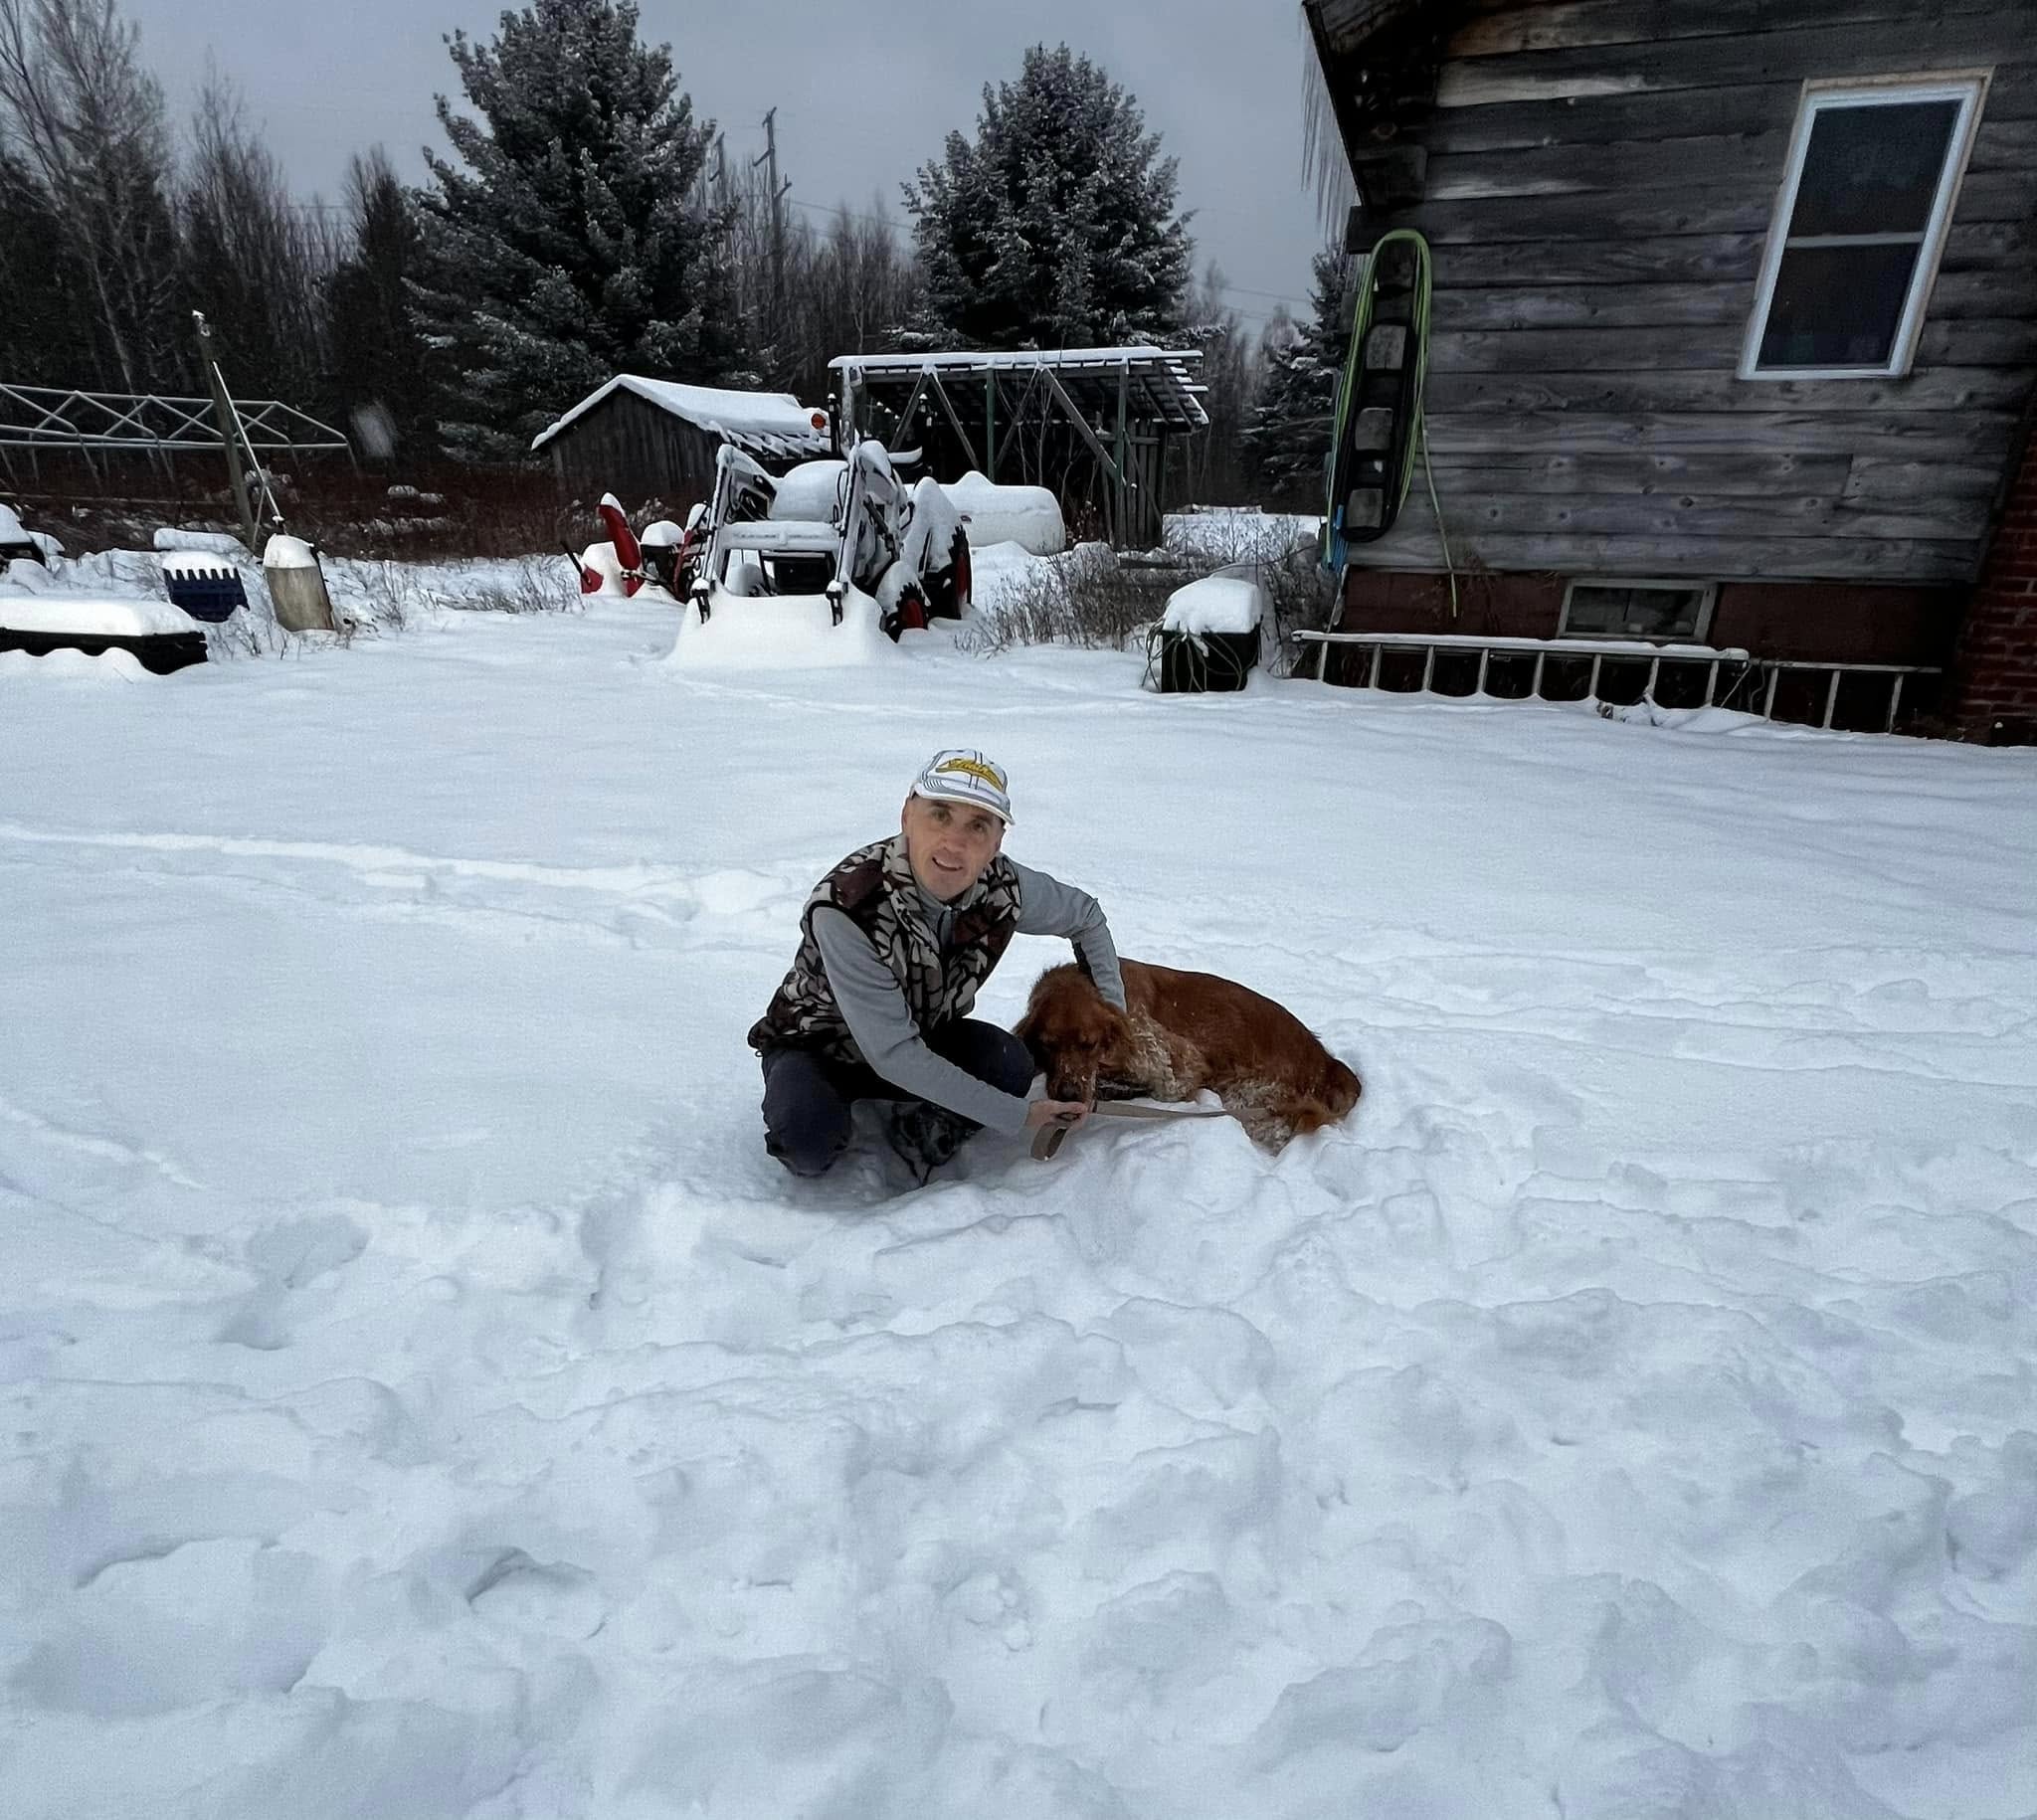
[(878, 1017)]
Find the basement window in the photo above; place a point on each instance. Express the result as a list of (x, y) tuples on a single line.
[(1867, 198), (1663, 613)]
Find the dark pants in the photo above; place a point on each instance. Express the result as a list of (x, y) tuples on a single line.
[(807, 1099)]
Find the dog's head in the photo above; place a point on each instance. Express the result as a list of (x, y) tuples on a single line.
[(1340, 1089), (1335, 1093), (1073, 1034)]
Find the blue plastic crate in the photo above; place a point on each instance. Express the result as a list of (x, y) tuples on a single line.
[(211, 595)]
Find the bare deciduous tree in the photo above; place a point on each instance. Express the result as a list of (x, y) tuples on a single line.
[(848, 285), (378, 366), (254, 259), (1214, 463), (859, 283), (79, 111)]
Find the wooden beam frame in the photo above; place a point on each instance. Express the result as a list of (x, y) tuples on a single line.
[(1018, 413), (955, 422), (905, 415)]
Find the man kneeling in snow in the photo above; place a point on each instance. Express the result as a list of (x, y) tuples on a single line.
[(893, 944)]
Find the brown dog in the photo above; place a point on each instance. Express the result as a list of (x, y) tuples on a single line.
[(1185, 1032)]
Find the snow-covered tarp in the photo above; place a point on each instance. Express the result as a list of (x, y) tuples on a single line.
[(426, 1397), (89, 616), (771, 423), (808, 491), (1030, 516), (15, 537), (200, 543)]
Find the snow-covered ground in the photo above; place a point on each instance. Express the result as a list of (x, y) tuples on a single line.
[(426, 1398)]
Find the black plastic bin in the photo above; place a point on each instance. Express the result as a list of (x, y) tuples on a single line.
[(1207, 663)]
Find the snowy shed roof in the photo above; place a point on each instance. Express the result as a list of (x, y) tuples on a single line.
[(760, 423), (1158, 378)]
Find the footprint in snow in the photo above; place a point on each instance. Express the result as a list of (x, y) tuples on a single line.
[(287, 1257)]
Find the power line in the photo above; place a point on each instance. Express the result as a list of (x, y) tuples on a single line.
[(844, 211)]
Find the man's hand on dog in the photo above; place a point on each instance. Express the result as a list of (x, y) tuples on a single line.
[(1068, 1114)]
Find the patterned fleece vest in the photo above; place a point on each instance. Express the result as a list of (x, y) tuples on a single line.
[(876, 888)]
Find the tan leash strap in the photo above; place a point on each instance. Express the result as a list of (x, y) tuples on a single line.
[(1046, 1140)]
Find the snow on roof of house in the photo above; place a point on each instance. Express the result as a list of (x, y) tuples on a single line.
[(763, 423)]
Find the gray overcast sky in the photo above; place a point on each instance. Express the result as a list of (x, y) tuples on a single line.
[(866, 93)]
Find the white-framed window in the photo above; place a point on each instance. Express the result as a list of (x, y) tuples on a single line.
[(1867, 197), (1665, 613)]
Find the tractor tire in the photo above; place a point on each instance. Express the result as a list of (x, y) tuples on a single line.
[(948, 588), (962, 578), (910, 615)]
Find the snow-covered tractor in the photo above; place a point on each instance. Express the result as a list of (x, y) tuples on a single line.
[(846, 538)]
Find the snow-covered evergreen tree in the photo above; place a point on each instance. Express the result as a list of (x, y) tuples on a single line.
[(1289, 433), (1057, 227), (573, 247)]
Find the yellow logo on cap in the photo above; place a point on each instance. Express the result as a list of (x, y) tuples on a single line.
[(974, 768)]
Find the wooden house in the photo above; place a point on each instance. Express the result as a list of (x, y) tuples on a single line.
[(1731, 339), (654, 439)]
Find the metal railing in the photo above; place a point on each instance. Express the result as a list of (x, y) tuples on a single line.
[(89, 423), (1739, 667)]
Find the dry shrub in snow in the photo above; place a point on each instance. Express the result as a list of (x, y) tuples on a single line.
[(1090, 597), (1098, 598), (529, 584)]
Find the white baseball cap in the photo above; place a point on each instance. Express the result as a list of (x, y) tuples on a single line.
[(960, 776)]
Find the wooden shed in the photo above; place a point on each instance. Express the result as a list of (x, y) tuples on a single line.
[(1093, 424), (654, 439), (1734, 325)]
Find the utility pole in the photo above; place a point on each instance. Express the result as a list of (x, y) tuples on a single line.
[(778, 193), (223, 415)]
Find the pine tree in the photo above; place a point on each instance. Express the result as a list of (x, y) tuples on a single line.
[(1289, 434), (379, 377), (573, 247), (1057, 227)]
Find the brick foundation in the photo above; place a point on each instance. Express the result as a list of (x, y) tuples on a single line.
[(1994, 675)]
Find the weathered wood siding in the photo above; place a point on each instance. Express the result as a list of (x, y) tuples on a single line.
[(1602, 179), (627, 447)]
